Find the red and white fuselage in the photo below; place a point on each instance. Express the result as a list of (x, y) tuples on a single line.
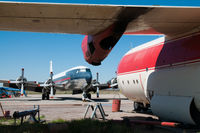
[(165, 70), (135, 68)]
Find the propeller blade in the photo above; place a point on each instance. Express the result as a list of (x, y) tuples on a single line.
[(22, 89), (51, 73), (97, 80), (51, 79), (14, 82), (51, 66), (51, 92), (97, 77), (22, 73), (97, 92)]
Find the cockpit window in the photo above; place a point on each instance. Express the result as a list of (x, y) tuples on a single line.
[(82, 70), (88, 70)]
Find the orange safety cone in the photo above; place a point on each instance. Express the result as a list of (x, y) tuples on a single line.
[(116, 104)]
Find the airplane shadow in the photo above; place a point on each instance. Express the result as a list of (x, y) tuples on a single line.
[(79, 99), (63, 99)]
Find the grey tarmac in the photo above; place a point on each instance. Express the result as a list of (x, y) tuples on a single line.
[(71, 107)]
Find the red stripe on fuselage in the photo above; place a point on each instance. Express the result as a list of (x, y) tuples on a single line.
[(182, 50), (61, 80)]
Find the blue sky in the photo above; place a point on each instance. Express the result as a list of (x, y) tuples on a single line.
[(33, 51)]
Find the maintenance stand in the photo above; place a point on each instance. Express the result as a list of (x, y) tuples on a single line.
[(94, 107)]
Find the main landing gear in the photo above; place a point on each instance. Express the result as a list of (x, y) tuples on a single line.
[(140, 106), (86, 96), (45, 94)]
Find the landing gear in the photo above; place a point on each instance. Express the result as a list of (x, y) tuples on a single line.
[(140, 106), (86, 96), (43, 97), (45, 94)]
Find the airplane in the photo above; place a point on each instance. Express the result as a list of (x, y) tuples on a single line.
[(163, 73), (20, 83), (78, 79)]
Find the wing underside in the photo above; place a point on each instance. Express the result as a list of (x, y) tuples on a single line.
[(92, 19)]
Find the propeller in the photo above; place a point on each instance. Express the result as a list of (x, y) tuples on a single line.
[(20, 82), (113, 83), (49, 83)]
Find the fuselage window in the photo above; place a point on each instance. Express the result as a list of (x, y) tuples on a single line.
[(137, 81), (123, 82), (127, 81), (134, 81)]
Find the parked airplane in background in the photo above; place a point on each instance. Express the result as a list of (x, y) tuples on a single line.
[(164, 73), (78, 79), (20, 83)]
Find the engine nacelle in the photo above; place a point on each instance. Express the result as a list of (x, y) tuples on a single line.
[(96, 47), (21, 79), (175, 108)]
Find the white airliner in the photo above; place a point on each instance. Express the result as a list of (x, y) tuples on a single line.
[(77, 79), (164, 73)]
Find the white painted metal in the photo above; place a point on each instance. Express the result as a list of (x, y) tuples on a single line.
[(22, 89), (172, 108), (64, 73), (172, 81)]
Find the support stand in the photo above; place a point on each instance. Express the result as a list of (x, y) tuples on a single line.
[(2, 110), (94, 108), (31, 113)]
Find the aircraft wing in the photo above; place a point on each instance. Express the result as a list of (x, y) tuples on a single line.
[(92, 19), (103, 86), (13, 83), (4, 81)]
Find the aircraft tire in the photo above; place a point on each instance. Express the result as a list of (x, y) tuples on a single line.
[(43, 97), (88, 95), (144, 109), (137, 106), (47, 96)]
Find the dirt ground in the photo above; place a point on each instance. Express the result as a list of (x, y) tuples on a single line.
[(70, 107)]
